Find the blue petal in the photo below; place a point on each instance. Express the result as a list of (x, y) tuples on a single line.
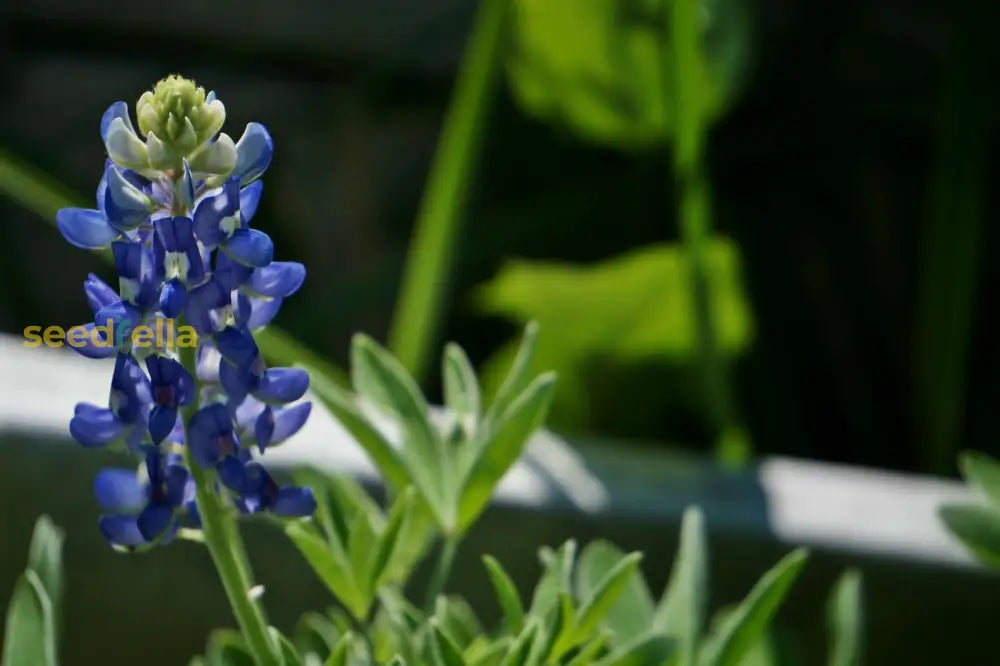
[(119, 319), (84, 228), (289, 420), (126, 205), (253, 153), (162, 420), (88, 349), (251, 247), (116, 110), (262, 311), (99, 293), (249, 198), (213, 211), (232, 474), (294, 502), (282, 385), (119, 490), (201, 301), (173, 298), (122, 531), (280, 279), (237, 381), (94, 426), (230, 273), (236, 344), (210, 435), (154, 520), (264, 428)]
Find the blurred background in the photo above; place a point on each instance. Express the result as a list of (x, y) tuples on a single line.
[(759, 227)]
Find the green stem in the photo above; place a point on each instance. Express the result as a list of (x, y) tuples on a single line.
[(228, 553), (428, 263), (695, 214), (446, 559)]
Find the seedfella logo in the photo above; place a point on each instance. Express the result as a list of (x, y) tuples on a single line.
[(163, 334)]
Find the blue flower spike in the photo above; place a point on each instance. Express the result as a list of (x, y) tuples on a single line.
[(174, 204)]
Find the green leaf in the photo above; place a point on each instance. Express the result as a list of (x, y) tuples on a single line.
[(982, 472), (461, 388), (389, 542), (644, 650), (681, 613), (554, 580), (316, 634), (587, 654), (331, 565), (456, 618), (45, 559), (360, 550), (443, 649), (562, 633), (503, 447), (744, 627), (289, 655), (507, 595), (29, 639), (517, 655), (343, 407), (487, 653), (518, 375), (381, 379), (977, 527), (633, 308), (632, 613), (338, 657), (605, 68), (845, 619), (606, 593), (226, 647)]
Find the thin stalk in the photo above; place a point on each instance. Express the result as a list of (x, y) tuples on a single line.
[(426, 273), (446, 560), (695, 212), (951, 244), (225, 546)]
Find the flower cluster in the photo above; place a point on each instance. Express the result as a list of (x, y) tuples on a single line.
[(174, 207)]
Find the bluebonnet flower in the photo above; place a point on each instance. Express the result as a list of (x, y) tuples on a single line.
[(174, 206)]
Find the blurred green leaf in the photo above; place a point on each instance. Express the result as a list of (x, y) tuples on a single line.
[(331, 564), (390, 543), (645, 650), (380, 378), (518, 374), (519, 649), (29, 638), (845, 619), (596, 607), (745, 626), (632, 613), (226, 647), (555, 579), (457, 619), (315, 634), (681, 612), (45, 559), (978, 527), (634, 307), (605, 69), (502, 447), (461, 388), (338, 657), (982, 472), (507, 595), (289, 655), (589, 651), (444, 650)]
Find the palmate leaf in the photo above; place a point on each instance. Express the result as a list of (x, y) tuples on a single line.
[(604, 67), (631, 308)]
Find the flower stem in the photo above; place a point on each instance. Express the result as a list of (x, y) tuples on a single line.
[(446, 558), (228, 553)]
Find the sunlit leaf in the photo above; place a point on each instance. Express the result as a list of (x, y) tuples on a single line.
[(507, 595), (604, 68), (681, 613), (632, 613), (461, 388)]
